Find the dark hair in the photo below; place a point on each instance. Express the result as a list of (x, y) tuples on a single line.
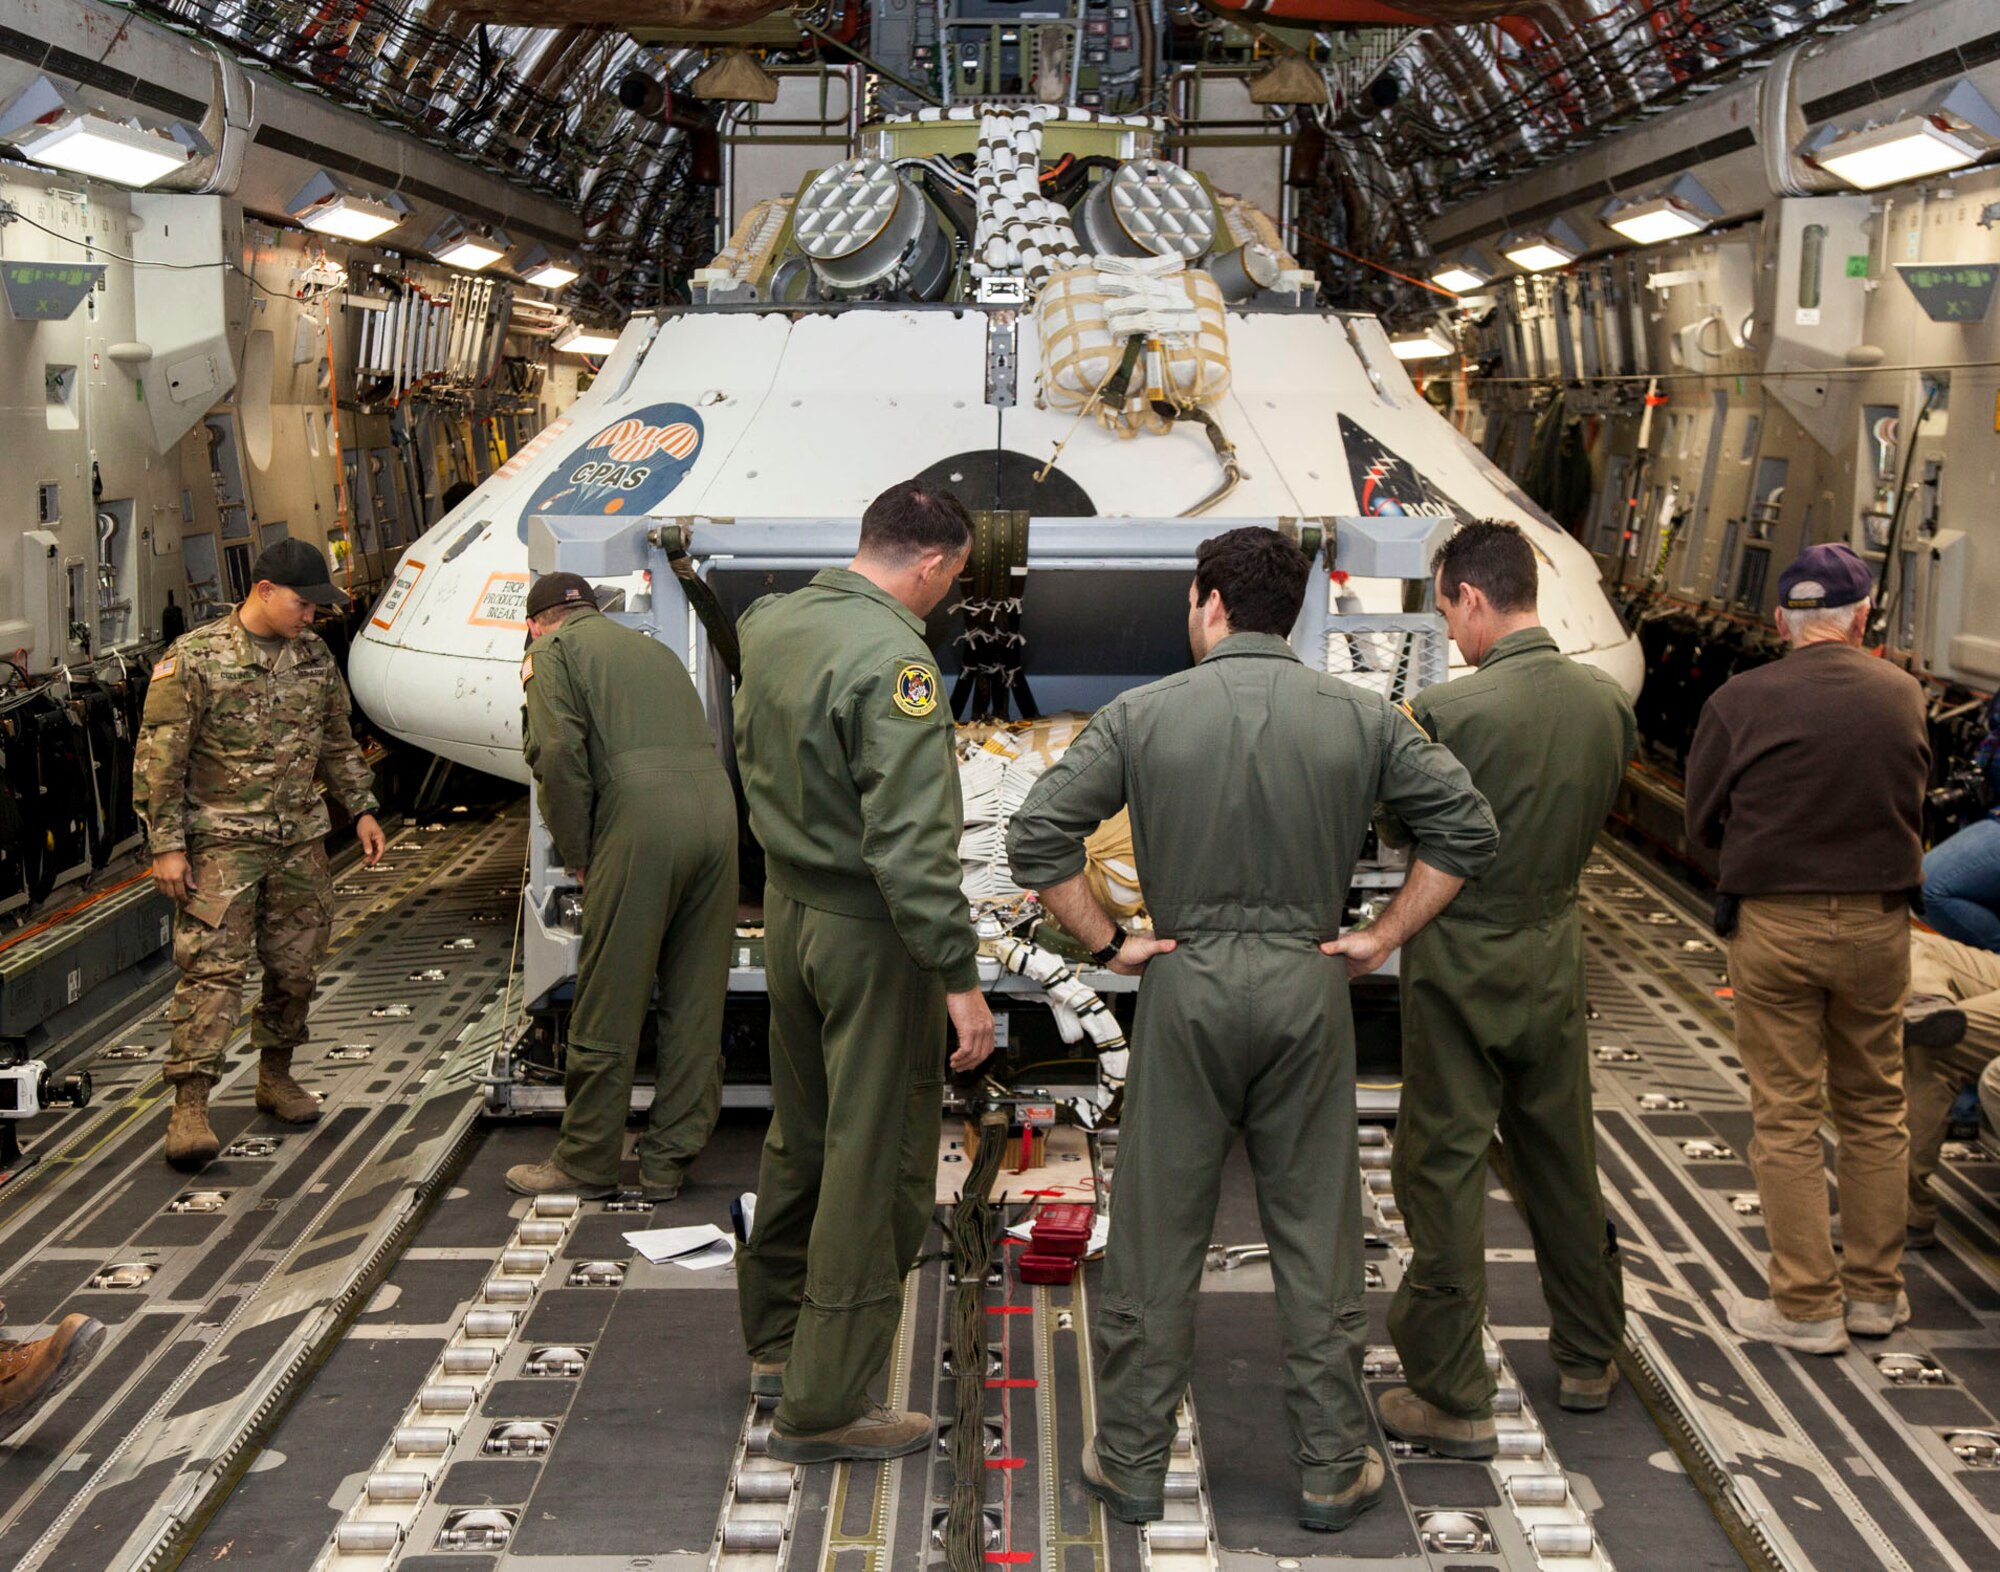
[(1493, 555), (912, 517), (1260, 575)]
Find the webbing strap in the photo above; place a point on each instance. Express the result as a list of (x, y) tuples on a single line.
[(717, 622), (992, 668)]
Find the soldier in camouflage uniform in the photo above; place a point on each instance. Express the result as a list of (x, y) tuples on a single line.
[(242, 717)]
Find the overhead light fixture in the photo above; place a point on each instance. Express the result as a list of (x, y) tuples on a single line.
[(47, 125), (1468, 270), (1953, 129), (586, 341), (545, 270), (331, 206), (1684, 208), (460, 243), (1554, 244), (1427, 345)]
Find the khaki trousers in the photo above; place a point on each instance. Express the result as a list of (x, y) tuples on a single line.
[(1819, 982), (1933, 1076)]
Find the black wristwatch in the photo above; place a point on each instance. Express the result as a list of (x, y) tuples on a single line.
[(1109, 953)]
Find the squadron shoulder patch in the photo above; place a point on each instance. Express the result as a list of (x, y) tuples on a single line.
[(916, 691), (167, 667), (1411, 716)]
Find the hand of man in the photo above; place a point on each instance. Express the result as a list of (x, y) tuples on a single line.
[(578, 874), (172, 877), (373, 841), (973, 1022), (1364, 950), (1137, 950)]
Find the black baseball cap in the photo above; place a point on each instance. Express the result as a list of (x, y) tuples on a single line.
[(1824, 577), (300, 568), (558, 589)]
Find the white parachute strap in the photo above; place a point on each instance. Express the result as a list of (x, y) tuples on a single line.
[(1018, 230), (1080, 1013)]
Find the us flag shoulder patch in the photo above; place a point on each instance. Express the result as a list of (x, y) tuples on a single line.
[(527, 667), (167, 667)]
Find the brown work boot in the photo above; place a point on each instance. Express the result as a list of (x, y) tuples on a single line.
[(278, 1094), (547, 1179), (1128, 1506), (767, 1378), (1329, 1514), (32, 1373), (1587, 1394), (881, 1433), (1411, 1418), (191, 1143)]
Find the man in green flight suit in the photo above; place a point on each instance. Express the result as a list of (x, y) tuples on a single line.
[(1493, 1010), (845, 752), (1250, 781), (642, 813), (244, 717)]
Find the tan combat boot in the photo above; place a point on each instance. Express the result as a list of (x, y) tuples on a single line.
[(767, 1378), (278, 1094), (1330, 1513), (191, 1143), (32, 1373), (878, 1435), (1421, 1422)]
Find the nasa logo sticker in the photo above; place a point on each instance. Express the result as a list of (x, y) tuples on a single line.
[(916, 691), (627, 465)]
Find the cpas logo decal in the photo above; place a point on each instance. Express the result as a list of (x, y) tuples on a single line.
[(1386, 485), (627, 466)]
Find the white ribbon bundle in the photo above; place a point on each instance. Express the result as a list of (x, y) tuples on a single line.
[(1018, 229), (1147, 297), (1080, 1013)]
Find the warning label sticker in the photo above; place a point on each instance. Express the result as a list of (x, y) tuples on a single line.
[(535, 445), (503, 602), (398, 593)]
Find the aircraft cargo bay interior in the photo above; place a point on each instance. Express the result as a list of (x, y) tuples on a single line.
[(1094, 785)]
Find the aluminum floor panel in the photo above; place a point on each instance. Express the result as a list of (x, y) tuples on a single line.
[(1829, 1457), (222, 1287)]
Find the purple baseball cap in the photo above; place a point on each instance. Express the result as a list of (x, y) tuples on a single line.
[(1823, 577)]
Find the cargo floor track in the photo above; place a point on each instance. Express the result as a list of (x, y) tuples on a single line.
[(348, 1347)]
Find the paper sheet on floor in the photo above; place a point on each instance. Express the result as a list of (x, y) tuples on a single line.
[(697, 1248), (1100, 1232)]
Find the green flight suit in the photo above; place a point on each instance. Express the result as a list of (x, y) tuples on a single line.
[(634, 792), (1493, 1025), (1250, 780), (844, 747)]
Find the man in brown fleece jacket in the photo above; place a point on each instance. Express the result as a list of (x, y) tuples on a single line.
[(1809, 774)]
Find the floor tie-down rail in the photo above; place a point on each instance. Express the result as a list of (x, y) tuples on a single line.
[(221, 1290)]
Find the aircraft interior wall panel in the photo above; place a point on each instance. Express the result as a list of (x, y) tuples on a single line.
[(64, 404)]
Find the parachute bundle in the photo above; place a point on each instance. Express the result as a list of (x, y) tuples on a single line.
[(1126, 332)]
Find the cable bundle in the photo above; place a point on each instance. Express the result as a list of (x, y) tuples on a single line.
[(974, 1232)]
